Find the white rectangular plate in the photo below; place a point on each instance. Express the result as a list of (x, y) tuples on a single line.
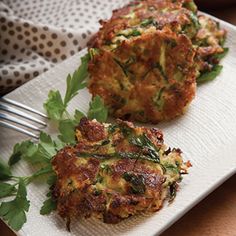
[(206, 134)]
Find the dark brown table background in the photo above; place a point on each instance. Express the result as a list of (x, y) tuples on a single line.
[(216, 214)]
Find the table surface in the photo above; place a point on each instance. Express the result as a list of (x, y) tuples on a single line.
[(216, 214)]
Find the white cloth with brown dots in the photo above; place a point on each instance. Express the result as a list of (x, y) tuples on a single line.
[(36, 35)]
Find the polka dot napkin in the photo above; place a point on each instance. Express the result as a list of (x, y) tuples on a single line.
[(36, 35)]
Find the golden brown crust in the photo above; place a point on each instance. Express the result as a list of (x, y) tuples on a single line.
[(148, 56), (134, 96), (127, 172)]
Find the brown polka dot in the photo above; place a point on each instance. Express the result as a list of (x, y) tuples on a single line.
[(36, 73), (18, 81), (4, 51), (89, 32), (4, 72), (35, 39), (34, 48), (72, 52), (27, 42), (2, 19), (57, 51), (84, 35), (20, 60), (34, 29), (22, 50), (6, 41), (63, 43), (2, 87), (48, 54), (70, 35), (26, 33), (12, 57), (9, 81), (18, 28), (43, 36), (11, 32), (22, 67), (54, 60), (26, 24), (15, 46), (27, 76), (75, 42), (20, 36), (41, 46), (79, 48), (63, 57), (49, 43), (10, 24), (54, 36), (16, 73), (4, 28)]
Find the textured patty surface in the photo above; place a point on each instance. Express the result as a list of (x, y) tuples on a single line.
[(115, 171), (146, 58)]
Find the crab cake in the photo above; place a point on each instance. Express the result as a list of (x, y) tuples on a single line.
[(142, 64), (148, 78), (209, 41), (115, 171), (146, 58)]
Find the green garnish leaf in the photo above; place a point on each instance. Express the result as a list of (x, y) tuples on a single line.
[(6, 190), (137, 182), (21, 150), (146, 22), (14, 211), (43, 171), (97, 109), (76, 82), (54, 105), (78, 115), (145, 143), (211, 75), (67, 131), (221, 55), (5, 172), (49, 205)]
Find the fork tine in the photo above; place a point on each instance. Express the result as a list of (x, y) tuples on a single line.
[(21, 130), (17, 104), (21, 113), (18, 121)]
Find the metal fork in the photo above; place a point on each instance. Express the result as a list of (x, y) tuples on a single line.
[(11, 115)]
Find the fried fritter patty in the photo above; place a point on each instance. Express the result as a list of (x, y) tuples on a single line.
[(145, 59), (115, 171), (209, 40)]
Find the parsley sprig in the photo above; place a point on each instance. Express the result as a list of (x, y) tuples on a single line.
[(40, 154)]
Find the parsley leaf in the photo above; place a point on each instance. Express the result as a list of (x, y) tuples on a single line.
[(97, 109), (21, 150), (76, 82), (78, 115), (5, 172), (48, 206), (67, 130), (14, 211), (54, 105), (6, 190), (211, 75)]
